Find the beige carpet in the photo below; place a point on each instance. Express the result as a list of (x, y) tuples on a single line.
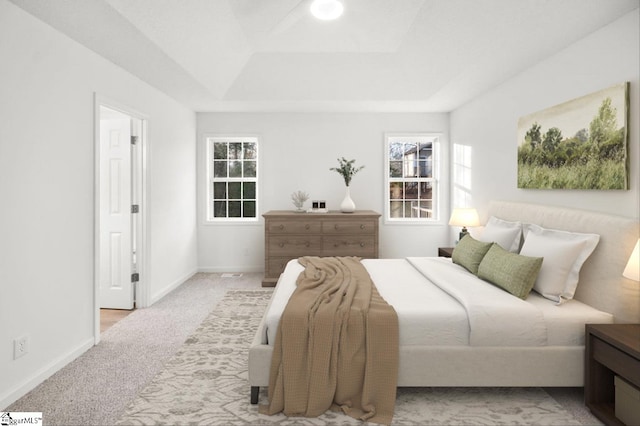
[(96, 388), (205, 383)]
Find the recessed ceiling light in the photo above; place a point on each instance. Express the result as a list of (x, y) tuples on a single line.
[(327, 10)]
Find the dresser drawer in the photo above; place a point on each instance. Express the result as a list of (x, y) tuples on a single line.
[(349, 246), (294, 227), (617, 360), (350, 227), (295, 245)]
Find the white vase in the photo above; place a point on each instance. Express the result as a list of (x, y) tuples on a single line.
[(347, 205)]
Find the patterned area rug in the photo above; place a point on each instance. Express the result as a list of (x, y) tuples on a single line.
[(205, 383)]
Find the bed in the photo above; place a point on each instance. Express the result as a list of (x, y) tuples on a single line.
[(454, 342)]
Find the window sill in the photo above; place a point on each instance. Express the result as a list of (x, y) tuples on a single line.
[(256, 222), (392, 222)]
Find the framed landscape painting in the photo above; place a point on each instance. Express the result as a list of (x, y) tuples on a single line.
[(580, 144)]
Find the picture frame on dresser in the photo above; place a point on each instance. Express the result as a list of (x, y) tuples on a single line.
[(289, 235)]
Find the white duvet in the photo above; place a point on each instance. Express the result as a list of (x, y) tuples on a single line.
[(440, 303), (496, 317)]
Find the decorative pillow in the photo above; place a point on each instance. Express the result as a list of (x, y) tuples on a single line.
[(564, 254), (510, 271), (469, 253), (507, 234)]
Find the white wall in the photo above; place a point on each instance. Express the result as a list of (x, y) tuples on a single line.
[(488, 123), (47, 193), (296, 152)]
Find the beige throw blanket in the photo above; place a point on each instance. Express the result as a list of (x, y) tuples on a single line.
[(336, 345)]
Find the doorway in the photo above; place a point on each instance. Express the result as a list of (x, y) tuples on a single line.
[(120, 148)]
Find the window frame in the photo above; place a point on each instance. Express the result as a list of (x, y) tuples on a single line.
[(209, 141), (436, 139)]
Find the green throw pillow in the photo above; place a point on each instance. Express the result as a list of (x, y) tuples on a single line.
[(469, 253), (512, 272)]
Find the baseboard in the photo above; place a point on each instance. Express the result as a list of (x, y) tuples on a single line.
[(172, 286), (222, 269), (43, 374)]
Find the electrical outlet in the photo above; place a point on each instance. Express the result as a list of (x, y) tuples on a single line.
[(20, 346)]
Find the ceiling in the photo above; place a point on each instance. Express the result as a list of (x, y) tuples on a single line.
[(272, 55)]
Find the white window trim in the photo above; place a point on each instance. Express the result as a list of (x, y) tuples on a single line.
[(209, 139), (437, 179)]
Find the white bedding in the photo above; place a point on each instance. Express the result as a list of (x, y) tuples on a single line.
[(496, 318), (460, 310)]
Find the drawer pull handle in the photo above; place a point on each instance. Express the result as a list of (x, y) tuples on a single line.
[(361, 244), (307, 226), (281, 227), (362, 226)]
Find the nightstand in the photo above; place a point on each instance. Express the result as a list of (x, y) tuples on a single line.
[(445, 251), (610, 350)]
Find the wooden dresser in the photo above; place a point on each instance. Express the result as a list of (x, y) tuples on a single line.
[(289, 235)]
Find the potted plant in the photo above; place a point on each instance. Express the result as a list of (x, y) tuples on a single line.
[(298, 198), (347, 169)]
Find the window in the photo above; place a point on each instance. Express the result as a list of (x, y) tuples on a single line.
[(462, 175), (232, 179), (412, 178)]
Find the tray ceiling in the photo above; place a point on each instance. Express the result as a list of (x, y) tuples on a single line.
[(272, 55)]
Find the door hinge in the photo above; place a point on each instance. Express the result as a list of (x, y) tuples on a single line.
[(135, 277), (135, 208), (134, 140)]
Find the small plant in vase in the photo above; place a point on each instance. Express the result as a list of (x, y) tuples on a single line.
[(298, 198), (347, 169)]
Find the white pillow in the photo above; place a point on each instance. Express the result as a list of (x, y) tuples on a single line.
[(563, 253), (507, 234)]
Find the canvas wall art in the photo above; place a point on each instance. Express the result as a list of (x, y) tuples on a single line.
[(580, 144)]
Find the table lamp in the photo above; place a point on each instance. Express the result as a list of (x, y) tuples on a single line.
[(632, 271), (464, 217)]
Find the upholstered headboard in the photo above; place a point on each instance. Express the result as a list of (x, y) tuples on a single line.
[(601, 282)]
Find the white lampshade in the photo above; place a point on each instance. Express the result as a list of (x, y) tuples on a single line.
[(464, 217), (632, 271), (326, 9)]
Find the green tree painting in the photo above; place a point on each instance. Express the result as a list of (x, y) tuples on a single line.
[(594, 156)]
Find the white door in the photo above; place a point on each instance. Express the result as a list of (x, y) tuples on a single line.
[(115, 260)]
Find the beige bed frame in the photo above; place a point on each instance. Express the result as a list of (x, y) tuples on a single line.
[(601, 286)]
